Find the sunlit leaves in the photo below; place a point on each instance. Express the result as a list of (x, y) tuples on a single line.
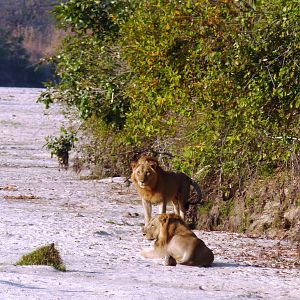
[(229, 69), (214, 82)]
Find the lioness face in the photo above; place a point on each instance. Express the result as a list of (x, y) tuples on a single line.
[(151, 231), (145, 175)]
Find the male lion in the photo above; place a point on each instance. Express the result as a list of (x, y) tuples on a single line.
[(175, 242), (155, 185)]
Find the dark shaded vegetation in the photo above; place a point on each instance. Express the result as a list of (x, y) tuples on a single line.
[(27, 35), (210, 87), (15, 66)]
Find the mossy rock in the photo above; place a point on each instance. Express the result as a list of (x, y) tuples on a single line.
[(46, 255)]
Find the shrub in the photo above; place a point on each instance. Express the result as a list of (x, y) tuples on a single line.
[(45, 255), (214, 83)]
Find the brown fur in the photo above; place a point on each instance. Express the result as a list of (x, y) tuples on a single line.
[(156, 186), (175, 242)]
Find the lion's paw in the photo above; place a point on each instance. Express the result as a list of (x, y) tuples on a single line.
[(169, 261)]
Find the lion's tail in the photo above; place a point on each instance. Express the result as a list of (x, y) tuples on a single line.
[(192, 204), (198, 191)]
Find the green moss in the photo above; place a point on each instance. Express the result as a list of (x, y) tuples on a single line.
[(46, 255), (205, 208), (110, 222), (231, 205), (226, 209), (223, 211), (250, 201), (245, 223), (278, 220)]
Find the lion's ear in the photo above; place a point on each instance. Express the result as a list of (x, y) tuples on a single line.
[(153, 164), (163, 219), (133, 165)]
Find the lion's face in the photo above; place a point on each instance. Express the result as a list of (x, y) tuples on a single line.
[(151, 231), (145, 174)]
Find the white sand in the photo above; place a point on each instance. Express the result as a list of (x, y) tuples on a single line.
[(99, 240)]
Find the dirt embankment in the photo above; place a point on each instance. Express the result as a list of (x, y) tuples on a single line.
[(267, 207)]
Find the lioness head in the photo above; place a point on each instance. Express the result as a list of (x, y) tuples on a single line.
[(144, 172), (151, 231), (162, 227)]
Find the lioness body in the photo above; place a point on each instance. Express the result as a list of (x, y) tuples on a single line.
[(176, 242), (156, 186)]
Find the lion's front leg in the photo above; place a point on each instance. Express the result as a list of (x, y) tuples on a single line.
[(176, 207), (162, 207), (179, 208), (182, 213), (147, 206)]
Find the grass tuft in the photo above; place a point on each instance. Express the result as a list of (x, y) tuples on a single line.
[(46, 255)]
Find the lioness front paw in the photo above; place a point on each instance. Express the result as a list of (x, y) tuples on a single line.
[(146, 252), (170, 261)]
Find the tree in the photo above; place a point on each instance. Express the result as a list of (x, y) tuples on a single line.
[(92, 75), (15, 66), (218, 82), (88, 65), (215, 83)]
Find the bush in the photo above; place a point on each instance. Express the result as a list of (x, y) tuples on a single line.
[(214, 83), (45, 255), (61, 146)]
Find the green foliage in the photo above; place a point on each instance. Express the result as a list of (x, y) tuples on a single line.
[(46, 255), (82, 16), (92, 73), (60, 145), (215, 83), (219, 80)]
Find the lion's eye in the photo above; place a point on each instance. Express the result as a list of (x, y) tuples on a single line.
[(148, 173)]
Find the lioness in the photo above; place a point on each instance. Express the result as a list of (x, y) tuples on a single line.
[(176, 242), (155, 185)]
